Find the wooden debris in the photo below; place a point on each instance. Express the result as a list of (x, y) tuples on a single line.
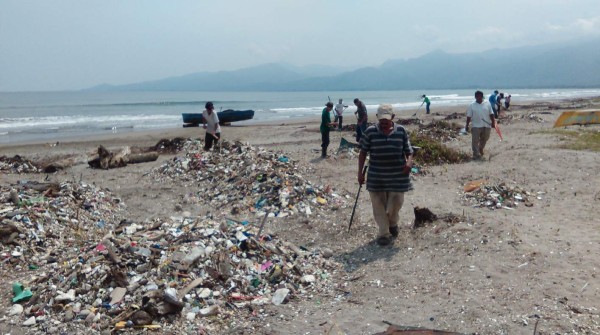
[(110, 160)]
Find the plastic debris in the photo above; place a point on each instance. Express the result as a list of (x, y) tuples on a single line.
[(481, 193), (20, 293), (125, 274)]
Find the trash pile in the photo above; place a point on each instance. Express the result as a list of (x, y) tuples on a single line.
[(455, 116), (169, 145), (347, 150), (352, 126), (18, 165), (480, 193), (247, 179), (533, 117), (433, 152), (76, 264), (440, 130), (408, 122)]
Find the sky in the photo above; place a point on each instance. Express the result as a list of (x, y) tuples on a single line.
[(70, 45)]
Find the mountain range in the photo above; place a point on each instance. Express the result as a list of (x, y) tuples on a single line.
[(572, 64)]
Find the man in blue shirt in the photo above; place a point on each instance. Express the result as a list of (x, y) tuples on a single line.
[(493, 101)]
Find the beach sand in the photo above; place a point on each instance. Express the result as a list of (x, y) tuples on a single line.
[(494, 272)]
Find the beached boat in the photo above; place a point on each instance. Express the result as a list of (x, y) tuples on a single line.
[(226, 116)]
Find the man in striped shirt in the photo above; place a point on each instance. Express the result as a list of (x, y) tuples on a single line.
[(390, 161)]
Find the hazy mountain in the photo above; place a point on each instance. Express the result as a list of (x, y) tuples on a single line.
[(573, 64)]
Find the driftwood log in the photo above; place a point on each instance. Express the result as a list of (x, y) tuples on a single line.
[(61, 164), (46, 188), (110, 160)]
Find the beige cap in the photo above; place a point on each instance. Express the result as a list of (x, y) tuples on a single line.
[(385, 111)]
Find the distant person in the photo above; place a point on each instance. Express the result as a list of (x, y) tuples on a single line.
[(211, 124), (388, 176), (492, 99), (499, 102), (339, 110), (361, 115), (325, 124), (481, 114), (507, 102), (426, 102)]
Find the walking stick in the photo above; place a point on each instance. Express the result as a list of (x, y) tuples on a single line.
[(356, 201)]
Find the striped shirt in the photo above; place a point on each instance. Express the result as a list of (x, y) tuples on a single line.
[(387, 157)]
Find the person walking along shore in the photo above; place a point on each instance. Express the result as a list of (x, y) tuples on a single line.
[(388, 178), (480, 113)]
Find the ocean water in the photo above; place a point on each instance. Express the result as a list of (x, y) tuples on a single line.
[(54, 116)]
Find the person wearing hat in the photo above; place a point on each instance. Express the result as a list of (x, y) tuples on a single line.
[(325, 128), (493, 99), (211, 124), (339, 110), (388, 178), (427, 102)]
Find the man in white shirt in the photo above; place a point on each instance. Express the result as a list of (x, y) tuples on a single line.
[(339, 109), (211, 124), (481, 114)]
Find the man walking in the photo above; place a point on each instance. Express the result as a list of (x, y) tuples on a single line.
[(325, 124), (481, 114), (211, 124), (361, 114), (339, 110), (388, 178), (493, 99)]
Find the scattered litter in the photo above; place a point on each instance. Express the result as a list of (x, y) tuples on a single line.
[(124, 274), (481, 193)]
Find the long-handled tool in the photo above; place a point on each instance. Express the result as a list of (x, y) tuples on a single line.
[(497, 129), (356, 201), (415, 114)]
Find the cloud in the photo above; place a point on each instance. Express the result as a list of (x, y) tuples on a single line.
[(578, 26), (591, 25)]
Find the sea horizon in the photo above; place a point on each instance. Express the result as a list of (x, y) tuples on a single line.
[(54, 116)]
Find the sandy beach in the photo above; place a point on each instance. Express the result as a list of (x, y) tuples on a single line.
[(484, 271)]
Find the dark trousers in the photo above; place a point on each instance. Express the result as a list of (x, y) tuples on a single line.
[(427, 107), (360, 129), (339, 119), (325, 139), (209, 140), (324, 142)]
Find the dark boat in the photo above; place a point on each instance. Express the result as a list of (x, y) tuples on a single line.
[(226, 116)]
